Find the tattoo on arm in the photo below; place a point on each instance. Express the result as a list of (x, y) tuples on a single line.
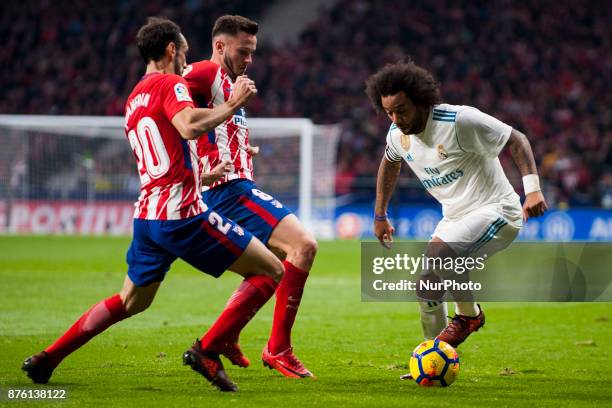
[(388, 173), (521, 152)]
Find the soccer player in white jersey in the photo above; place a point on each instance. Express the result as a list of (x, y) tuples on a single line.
[(453, 150)]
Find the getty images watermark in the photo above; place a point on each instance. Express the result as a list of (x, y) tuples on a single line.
[(532, 272), (412, 265)]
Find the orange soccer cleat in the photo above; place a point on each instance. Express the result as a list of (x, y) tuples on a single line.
[(286, 363)]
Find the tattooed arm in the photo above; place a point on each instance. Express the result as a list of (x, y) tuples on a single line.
[(521, 152), (388, 173)]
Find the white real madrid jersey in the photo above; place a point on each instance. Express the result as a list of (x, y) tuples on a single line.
[(455, 158)]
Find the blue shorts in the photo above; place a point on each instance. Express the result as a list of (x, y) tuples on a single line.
[(208, 241), (252, 209)]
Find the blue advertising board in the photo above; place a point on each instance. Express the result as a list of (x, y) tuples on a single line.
[(418, 222)]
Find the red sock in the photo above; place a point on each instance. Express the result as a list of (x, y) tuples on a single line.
[(252, 294), (288, 297), (94, 321)]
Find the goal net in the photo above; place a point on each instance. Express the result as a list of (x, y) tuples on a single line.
[(77, 174)]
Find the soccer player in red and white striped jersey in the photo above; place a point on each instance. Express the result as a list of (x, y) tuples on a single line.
[(169, 184), (212, 86), (236, 196), (170, 220)]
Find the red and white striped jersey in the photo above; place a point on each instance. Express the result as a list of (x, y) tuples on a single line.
[(211, 86), (165, 161)]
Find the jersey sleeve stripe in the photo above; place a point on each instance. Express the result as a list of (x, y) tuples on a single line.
[(443, 112), (391, 155)]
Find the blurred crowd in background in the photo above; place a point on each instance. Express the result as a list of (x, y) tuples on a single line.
[(543, 67)]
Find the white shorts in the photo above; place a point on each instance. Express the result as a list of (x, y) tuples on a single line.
[(484, 231)]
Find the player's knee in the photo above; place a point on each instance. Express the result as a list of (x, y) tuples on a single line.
[(306, 249), (435, 250), (439, 249), (309, 248)]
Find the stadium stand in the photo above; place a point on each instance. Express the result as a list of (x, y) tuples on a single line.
[(544, 67)]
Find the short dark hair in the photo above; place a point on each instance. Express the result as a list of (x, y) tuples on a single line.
[(418, 84), (153, 38), (232, 25)]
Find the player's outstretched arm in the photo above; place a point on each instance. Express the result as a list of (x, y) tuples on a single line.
[(519, 146), (388, 173), (194, 122)]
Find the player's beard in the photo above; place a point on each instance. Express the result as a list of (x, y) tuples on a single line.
[(420, 121), (230, 66), (178, 67)]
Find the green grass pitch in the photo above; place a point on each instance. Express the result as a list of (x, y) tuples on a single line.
[(527, 354)]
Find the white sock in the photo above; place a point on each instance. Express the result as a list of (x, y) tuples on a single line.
[(433, 318), (470, 309)]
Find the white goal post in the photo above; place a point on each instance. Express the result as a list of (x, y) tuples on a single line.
[(297, 163)]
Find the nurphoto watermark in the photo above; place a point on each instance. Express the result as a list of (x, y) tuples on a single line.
[(532, 272)]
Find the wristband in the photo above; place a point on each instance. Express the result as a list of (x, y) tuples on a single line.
[(380, 217), (531, 183)]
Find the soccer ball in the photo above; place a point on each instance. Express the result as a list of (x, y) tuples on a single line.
[(434, 363)]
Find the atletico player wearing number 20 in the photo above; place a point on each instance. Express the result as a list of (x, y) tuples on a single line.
[(227, 150), (170, 220)]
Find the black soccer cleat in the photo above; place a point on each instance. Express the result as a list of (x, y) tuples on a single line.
[(37, 367), (210, 366)]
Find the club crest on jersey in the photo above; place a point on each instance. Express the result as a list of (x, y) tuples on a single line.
[(405, 141), (443, 154), (181, 92)]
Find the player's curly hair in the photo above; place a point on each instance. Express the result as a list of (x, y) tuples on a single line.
[(153, 38), (233, 24), (418, 84)]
